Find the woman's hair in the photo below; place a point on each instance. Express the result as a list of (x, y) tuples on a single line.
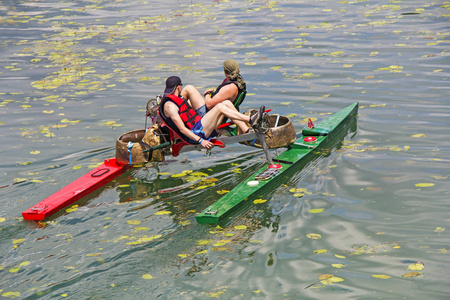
[(231, 68)]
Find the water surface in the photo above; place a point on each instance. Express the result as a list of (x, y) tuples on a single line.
[(75, 76)]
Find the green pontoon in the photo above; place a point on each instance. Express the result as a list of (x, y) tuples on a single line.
[(300, 153)]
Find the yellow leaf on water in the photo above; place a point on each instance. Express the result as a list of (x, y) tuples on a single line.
[(418, 266), (216, 294), (184, 173), (164, 212), (72, 209), (36, 181), (76, 167), (203, 242), (48, 111), (299, 190), (70, 121), (413, 274), (146, 239), (339, 256), (11, 294), (133, 222), (256, 241), (25, 263), (201, 187), (240, 227), (18, 241), (257, 201), (316, 210), (147, 276), (222, 192), (331, 280), (185, 223), (257, 291), (59, 126), (14, 270), (141, 228), (381, 276), (320, 251), (199, 174), (2, 220), (339, 266), (93, 254), (221, 243), (191, 178), (325, 276), (418, 135), (35, 152), (424, 184), (314, 236)]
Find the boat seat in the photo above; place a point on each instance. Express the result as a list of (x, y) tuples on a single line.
[(240, 98)]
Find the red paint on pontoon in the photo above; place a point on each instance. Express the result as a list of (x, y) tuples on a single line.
[(81, 187)]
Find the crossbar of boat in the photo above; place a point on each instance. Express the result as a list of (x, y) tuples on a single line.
[(226, 140)]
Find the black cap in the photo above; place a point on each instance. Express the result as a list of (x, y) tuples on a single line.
[(171, 83)]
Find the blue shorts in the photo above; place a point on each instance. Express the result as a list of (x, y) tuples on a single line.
[(198, 130), (202, 110)]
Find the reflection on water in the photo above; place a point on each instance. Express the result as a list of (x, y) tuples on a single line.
[(75, 76)]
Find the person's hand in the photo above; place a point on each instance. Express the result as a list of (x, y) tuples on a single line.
[(207, 92), (206, 144)]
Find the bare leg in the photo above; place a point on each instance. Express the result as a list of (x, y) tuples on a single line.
[(226, 108), (190, 93), (239, 123)]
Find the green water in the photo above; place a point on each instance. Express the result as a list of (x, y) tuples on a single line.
[(76, 75)]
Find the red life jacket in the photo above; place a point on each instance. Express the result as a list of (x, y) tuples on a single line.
[(186, 112)]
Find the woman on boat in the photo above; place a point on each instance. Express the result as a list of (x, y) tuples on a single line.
[(230, 89), (180, 115)]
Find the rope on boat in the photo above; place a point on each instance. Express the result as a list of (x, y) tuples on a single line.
[(129, 146)]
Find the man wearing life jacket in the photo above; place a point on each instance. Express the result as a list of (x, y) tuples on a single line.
[(180, 115)]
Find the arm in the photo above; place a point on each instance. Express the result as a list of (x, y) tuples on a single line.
[(228, 92), (171, 110)]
